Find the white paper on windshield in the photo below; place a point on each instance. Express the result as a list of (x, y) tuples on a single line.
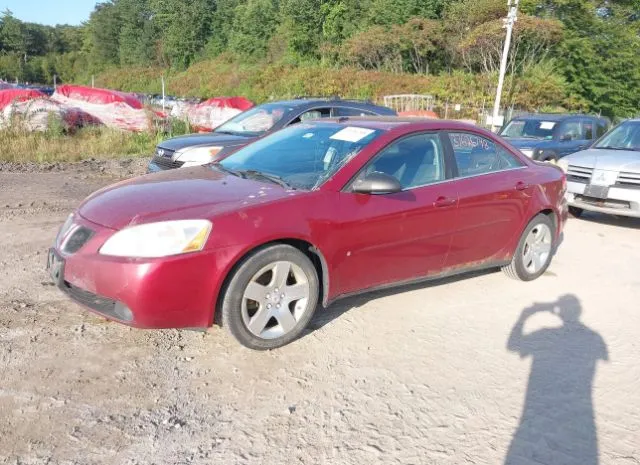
[(547, 125), (352, 134)]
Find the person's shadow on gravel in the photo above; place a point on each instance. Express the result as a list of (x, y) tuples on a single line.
[(557, 426)]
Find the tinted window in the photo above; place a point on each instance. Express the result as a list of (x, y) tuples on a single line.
[(414, 161), (341, 111), (571, 130), (477, 155), (304, 155)]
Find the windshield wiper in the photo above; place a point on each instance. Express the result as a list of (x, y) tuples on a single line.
[(624, 149), (220, 167), (269, 177)]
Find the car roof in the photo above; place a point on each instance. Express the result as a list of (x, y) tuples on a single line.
[(310, 101), (555, 117), (388, 123)]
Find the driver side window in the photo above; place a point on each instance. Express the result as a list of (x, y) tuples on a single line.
[(571, 130), (316, 113), (414, 161)]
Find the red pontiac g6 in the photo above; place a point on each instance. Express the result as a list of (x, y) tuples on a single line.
[(310, 214)]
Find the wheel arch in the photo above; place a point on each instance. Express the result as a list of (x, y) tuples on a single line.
[(303, 245)]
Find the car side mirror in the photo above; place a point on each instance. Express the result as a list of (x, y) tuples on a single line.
[(566, 138), (377, 184)]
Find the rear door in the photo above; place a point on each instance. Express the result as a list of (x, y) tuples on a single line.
[(493, 188), (403, 236)]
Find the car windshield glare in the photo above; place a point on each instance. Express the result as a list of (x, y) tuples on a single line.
[(303, 156), (626, 136), (256, 121), (529, 129)]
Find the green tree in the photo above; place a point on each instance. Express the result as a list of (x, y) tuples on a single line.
[(254, 23)]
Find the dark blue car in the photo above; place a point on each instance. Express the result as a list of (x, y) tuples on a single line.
[(551, 137)]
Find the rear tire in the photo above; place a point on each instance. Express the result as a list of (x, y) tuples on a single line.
[(534, 252), (576, 212), (270, 298)]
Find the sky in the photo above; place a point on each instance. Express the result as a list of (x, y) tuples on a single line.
[(50, 12)]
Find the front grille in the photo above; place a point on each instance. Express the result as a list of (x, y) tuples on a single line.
[(78, 238), (579, 174), (107, 307), (629, 180), (167, 163)]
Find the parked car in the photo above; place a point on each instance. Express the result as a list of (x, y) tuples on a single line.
[(312, 213), (551, 137), (198, 149), (606, 178)]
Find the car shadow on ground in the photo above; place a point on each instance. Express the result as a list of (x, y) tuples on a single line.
[(324, 316), (557, 424), (611, 220)]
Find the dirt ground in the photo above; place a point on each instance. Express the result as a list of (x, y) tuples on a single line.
[(478, 370)]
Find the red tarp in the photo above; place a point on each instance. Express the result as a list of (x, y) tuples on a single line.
[(32, 109), (112, 108), (10, 96), (99, 96), (211, 113)]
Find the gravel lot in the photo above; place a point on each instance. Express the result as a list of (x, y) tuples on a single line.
[(472, 370)]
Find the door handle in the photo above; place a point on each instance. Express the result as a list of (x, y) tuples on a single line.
[(522, 186), (442, 202)]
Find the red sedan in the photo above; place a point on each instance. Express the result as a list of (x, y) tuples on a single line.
[(310, 214)]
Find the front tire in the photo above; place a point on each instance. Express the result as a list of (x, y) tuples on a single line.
[(270, 298), (535, 250)]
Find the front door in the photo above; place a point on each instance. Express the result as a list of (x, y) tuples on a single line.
[(403, 236)]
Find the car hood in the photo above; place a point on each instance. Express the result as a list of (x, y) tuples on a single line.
[(610, 160), (200, 192), (210, 138)]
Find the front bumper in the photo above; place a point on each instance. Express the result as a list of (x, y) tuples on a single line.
[(620, 201), (172, 292)]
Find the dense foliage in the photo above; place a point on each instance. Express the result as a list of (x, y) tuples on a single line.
[(588, 51)]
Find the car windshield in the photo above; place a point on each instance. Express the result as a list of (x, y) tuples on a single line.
[(529, 129), (624, 137), (301, 156), (256, 121)]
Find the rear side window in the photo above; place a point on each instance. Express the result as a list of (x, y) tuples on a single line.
[(602, 130), (342, 111), (587, 128), (476, 155)]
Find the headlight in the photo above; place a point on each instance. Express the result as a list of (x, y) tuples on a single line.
[(197, 155), (564, 164), (528, 152), (158, 239)]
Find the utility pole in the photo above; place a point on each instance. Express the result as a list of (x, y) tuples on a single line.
[(509, 22)]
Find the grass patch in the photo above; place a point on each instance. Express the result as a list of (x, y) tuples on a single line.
[(56, 144)]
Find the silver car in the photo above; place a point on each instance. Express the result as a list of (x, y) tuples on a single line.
[(606, 177)]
